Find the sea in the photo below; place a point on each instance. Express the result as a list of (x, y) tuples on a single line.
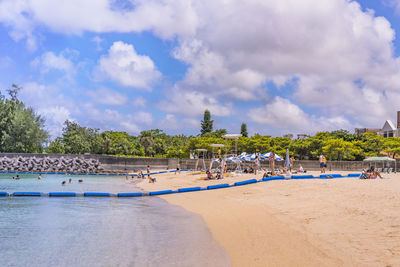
[(83, 231)]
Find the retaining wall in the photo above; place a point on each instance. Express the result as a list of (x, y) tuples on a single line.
[(122, 164)]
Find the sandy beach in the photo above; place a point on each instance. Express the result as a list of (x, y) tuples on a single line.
[(333, 222)]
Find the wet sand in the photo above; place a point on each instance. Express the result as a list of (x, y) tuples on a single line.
[(333, 222)]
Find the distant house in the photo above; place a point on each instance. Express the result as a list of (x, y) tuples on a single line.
[(389, 130), (366, 130)]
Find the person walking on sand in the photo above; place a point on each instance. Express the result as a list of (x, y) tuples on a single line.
[(148, 170), (256, 165)]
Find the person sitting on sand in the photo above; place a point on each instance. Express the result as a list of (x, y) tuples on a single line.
[(209, 175), (370, 174), (301, 168), (265, 175), (151, 180)]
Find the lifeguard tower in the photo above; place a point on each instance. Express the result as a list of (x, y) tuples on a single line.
[(201, 151)]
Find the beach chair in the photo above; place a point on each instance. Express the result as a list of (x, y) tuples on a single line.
[(385, 169), (389, 170), (379, 169)]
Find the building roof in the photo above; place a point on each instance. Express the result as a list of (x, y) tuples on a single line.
[(388, 126)]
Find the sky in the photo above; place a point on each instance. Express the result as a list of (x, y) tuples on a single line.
[(281, 67)]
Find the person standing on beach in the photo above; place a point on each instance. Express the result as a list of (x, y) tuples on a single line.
[(291, 163), (322, 163), (148, 171), (272, 163), (256, 165)]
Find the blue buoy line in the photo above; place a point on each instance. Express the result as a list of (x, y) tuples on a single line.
[(164, 192)]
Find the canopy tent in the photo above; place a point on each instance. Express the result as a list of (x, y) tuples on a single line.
[(383, 160), (379, 159)]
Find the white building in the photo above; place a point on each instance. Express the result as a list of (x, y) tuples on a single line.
[(389, 129)]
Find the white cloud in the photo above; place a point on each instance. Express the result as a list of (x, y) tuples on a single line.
[(98, 40), (283, 114), (49, 103), (139, 102), (166, 18), (108, 97), (193, 103), (6, 62), (233, 48), (50, 61), (123, 65)]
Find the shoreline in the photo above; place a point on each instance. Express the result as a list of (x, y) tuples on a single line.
[(295, 222)]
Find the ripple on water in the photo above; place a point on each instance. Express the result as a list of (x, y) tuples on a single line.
[(99, 231)]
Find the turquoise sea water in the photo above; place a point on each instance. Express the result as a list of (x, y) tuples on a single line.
[(78, 231)]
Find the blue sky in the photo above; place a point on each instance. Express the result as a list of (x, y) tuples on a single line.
[(281, 67)]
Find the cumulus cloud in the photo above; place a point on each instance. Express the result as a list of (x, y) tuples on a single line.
[(166, 18), (340, 56), (123, 65), (50, 61), (49, 103), (139, 101), (193, 103), (106, 96), (283, 114)]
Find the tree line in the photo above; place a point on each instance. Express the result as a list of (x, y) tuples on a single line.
[(22, 130)]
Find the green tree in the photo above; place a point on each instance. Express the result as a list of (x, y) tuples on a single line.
[(391, 145), (78, 139), (206, 123), (21, 129), (243, 130), (338, 149), (56, 147)]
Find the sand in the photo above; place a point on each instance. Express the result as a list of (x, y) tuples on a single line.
[(335, 222)]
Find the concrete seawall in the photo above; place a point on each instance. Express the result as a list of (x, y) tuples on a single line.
[(122, 164)]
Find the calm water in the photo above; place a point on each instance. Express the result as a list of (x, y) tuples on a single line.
[(43, 231)]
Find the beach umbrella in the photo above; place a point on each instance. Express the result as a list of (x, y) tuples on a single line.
[(267, 155), (287, 159)]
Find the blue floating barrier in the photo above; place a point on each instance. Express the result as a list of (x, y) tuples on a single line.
[(330, 175), (102, 174), (163, 192), (189, 189), (92, 173), (62, 194), (3, 172), (271, 178), (22, 172), (163, 172), (3, 194), (251, 181), (51, 173), (95, 194), (354, 175), (26, 194), (62, 173), (112, 174), (302, 177), (129, 194), (12, 172), (217, 186)]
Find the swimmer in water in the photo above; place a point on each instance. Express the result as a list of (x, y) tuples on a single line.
[(40, 177), (80, 181), (63, 183), (70, 180)]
